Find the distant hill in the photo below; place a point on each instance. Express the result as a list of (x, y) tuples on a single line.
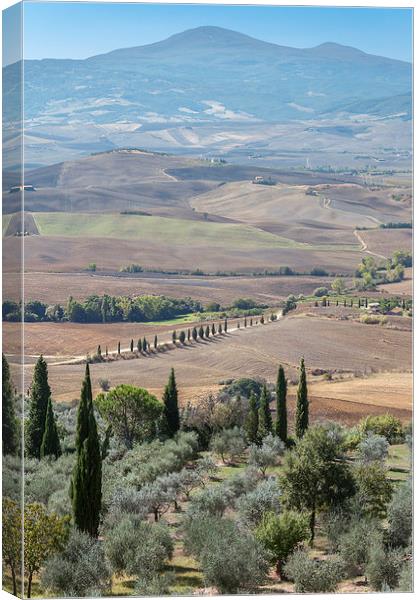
[(209, 74)]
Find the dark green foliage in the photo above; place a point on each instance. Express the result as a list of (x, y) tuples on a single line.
[(281, 426), (10, 428), (155, 342), (315, 477), (252, 420), (132, 346), (313, 576), (171, 420), (225, 326), (244, 387), (145, 345), (86, 485), (213, 331), (182, 337), (40, 394), (201, 332), (207, 331), (50, 442), (301, 413), (194, 334), (264, 413)]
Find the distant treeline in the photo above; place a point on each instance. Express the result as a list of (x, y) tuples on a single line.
[(279, 272), (115, 309), (401, 225)]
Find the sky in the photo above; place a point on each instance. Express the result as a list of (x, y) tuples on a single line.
[(79, 30)]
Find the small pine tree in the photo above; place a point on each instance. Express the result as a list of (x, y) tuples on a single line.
[(132, 346), (50, 442), (10, 429), (252, 420), (281, 425), (40, 394), (301, 415), (171, 420), (225, 325), (207, 331), (86, 483), (213, 331), (265, 417), (156, 343), (194, 334)]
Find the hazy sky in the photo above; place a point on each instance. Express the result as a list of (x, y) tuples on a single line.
[(78, 30)]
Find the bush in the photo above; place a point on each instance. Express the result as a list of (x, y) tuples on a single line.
[(138, 548), (372, 448), (281, 534), (313, 576), (244, 387), (231, 559), (228, 443), (385, 425), (384, 567), (355, 544), (212, 501), (79, 570), (406, 578), (266, 455), (321, 291), (400, 518), (264, 498), (373, 489)]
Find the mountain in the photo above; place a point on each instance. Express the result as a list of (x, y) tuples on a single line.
[(203, 76)]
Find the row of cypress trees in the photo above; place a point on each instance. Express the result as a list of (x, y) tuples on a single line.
[(259, 419)]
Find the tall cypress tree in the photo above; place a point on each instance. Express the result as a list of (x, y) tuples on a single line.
[(264, 414), (155, 342), (171, 409), (50, 442), (301, 414), (86, 485), (40, 394), (225, 325), (10, 428), (252, 420), (281, 425)]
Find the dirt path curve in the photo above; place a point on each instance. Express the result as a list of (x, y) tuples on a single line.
[(364, 247), (82, 357)]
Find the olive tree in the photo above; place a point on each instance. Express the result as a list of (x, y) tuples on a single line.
[(266, 455), (311, 575)]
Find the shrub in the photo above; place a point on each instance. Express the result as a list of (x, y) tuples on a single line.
[(400, 518), (266, 455), (244, 387), (383, 567), (104, 384), (373, 489), (228, 443), (79, 570), (372, 448), (313, 576), (354, 545), (264, 498), (281, 534), (321, 291), (138, 548), (212, 501), (386, 425), (406, 578), (231, 559)]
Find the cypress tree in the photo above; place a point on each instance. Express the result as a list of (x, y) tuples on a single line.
[(213, 329), (119, 347), (86, 484), (10, 430), (225, 325), (207, 331), (264, 415), (245, 322), (281, 405), (174, 337), (40, 393), (201, 332), (182, 337), (99, 351), (366, 302), (262, 319), (155, 342), (252, 420), (132, 346), (139, 345), (301, 415), (189, 335), (238, 324), (251, 322), (106, 351), (50, 442), (171, 423), (220, 328), (144, 344), (194, 334)]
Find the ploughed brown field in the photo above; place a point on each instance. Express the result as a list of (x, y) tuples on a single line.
[(343, 347)]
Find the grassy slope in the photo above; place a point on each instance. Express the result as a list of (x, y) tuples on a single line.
[(151, 228)]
